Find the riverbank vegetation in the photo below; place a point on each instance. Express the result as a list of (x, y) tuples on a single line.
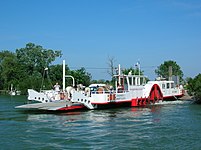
[(170, 69), (194, 88), (31, 67)]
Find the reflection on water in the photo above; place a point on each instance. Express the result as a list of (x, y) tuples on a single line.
[(96, 116)]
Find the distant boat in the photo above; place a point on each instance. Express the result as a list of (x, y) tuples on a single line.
[(14, 92), (18, 92), (129, 90)]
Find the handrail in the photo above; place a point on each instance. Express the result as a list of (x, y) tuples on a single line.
[(72, 79)]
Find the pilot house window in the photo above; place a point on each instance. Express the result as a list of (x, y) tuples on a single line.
[(168, 85)]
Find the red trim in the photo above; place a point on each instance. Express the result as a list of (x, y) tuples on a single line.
[(134, 102), (122, 101), (72, 107), (139, 102), (101, 103), (119, 101)]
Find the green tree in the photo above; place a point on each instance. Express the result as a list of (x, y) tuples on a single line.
[(36, 58), (33, 60), (9, 69), (133, 71), (101, 81), (194, 87), (4, 54), (25, 68), (163, 69), (55, 73), (81, 76)]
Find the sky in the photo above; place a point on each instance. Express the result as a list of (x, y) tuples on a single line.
[(90, 32)]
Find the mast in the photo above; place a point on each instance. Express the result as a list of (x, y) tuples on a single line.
[(64, 69), (139, 73), (119, 69)]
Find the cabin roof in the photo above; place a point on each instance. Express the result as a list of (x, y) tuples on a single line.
[(97, 85)]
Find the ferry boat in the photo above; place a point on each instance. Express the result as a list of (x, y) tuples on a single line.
[(129, 90)]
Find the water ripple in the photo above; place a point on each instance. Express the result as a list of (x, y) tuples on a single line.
[(166, 126)]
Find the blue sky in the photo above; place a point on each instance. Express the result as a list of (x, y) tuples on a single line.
[(88, 32)]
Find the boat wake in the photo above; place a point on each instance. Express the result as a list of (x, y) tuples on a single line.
[(172, 102)]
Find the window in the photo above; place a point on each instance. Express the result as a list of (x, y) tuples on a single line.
[(130, 80), (168, 85), (172, 85)]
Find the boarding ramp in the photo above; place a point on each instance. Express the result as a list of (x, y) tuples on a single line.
[(80, 97)]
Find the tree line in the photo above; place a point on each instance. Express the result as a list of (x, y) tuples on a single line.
[(194, 88), (31, 67)]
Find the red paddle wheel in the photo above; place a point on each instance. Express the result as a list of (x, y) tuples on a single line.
[(155, 94)]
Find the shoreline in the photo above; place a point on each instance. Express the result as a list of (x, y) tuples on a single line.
[(186, 96)]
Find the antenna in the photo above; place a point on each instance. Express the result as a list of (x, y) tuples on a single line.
[(64, 70)]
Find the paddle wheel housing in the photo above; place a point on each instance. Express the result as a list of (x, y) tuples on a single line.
[(155, 94)]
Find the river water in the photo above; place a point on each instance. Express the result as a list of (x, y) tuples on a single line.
[(172, 125)]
